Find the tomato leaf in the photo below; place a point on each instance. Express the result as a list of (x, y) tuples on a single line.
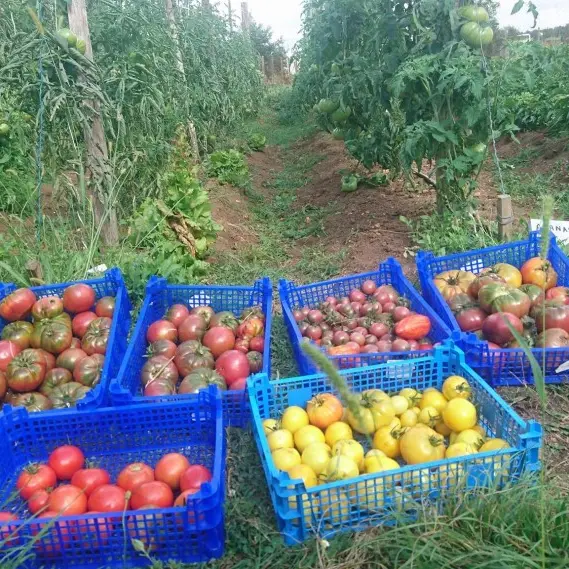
[(517, 7)]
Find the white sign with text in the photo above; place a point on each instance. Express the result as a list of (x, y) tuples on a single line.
[(559, 228)]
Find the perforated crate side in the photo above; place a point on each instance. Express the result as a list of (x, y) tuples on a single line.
[(389, 272), (114, 437), (110, 284), (126, 387), (504, 367), (375, 496)]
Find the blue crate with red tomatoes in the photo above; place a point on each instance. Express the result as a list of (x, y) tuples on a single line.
[(188, 337), (62, 343), (362, 319)]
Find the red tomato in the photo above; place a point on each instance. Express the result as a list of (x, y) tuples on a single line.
[(561, 292), (88, 370), (19, 332), (105, 307), (233, 365), (8, 534), (88, 479), (81, 322), (78, 298), (68, 500), (48, 359), (75, 343), (8, 351), (159, 388), (66, 460), (194, 477), (156, 493), (107, 498), (35, 477), (252, 327), (206, 312), (38, 501), (219, 339), (170, 468), (192, 328), (96, 337), (18, 305), (257, 344), (47, 307), (239, 384), (177, 313), (164, 348), (162, 330), (496, 329), (70, 358), (413, 327), (134, 475), (182, 499), (159, 368)]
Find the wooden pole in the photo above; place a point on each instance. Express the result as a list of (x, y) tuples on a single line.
[(245, 21), (505, 217), (230, 10), (175, 37), (98, 184)]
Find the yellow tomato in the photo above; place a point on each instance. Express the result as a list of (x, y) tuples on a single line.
[(408, 419), (470, 437), (480, 430), (372, 413), (429, 416), (341, 468), (400, 404), (509, 273), (338, 431), (286, 458), (317, 456), (395, 424), (433, 398), (494, 444), (442, 429), (422, 444), (309, 509), (294, 418), (377, 395), (352, 449), (335, 508), (280, 439), (459, 415), (459, 449), (387, 441), (374, 464), (306, 436), (270, 425), (452, 437), (304, 473), (456, 386), (412, 395), (416, 410), (373, 452)]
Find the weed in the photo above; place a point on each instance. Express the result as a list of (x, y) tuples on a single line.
[(229, 167)]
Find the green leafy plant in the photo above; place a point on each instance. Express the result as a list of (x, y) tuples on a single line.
[(229, 167), (257, 142)]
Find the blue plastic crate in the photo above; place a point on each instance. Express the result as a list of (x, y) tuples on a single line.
[(126, 387), (385, 498), (114, 437), (389, 272), (110, 284), (505, 367)]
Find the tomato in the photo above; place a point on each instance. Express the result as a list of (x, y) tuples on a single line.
[(3, 385), (239, 384), (470, 437), (70, 358), (53, 536), (286, 458), (134, 475), (374, 412), (255, 361), (257, 344), (75, 343), (252, 327), (192, 328), (105, 307), (219, 340), (474, 13), (192, 355), (494, 444), (96, 338), (170, 468), (94, 531), (324, 409), (307, 435), (107, 498), (88, 370), (471, 319), (558, 292), (35, 477), (32, 401), (154, 493), (66, 396), (206, 312), (233, 365), (38, 501), (413, 327), (68, 500), (194, 476), (89, 479), (552, 338), (17, 305), (159, 368), (47, 358), (483, 279), (8, 532), (385, 294), (456, 386), (19, 333), (201, 378), (497, 330), (8, 351), (53, 337), (159, 388), (182, 500), (433, 398), (26, 371), (47, 307), (475, 35), (337, 431), (503, 298), (225, 319), (165, 348), (242, 345), (81, 322), (451, 283), (348, 349), (78, 298), (280, 438), (459, 415), (551, 314), (539, 272), (422, 444), (176, 314), (162, 330), (66, 460), (387, 440)]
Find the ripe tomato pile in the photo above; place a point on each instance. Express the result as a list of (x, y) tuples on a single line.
[(65, 486), (52, 351), (527, 298), (369, 320), (326, 442), (201, 348)]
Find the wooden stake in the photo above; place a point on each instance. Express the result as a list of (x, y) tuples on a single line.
[(194, 142), (505, 217), (174, 35)]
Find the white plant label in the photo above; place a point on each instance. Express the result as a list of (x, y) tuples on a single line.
[(559, 228)]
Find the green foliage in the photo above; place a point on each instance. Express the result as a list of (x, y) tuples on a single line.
[(263, 42), (257, 142), (229, 167)]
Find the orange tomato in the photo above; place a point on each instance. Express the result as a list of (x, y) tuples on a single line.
[(324, 409), (539, 272), (451, 283)]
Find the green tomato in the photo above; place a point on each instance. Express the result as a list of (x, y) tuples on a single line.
[(68, 35), (479, 148), (475, 36), (81, 46), (327, 106), (4, 129), (474, 13), (338, 134), (349, 183), (341, 115)]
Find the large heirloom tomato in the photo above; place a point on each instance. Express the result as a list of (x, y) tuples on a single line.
[(78, 298), (508, 272), (219, 339), (162, 330), (535, 293), (374, 411), (496, 329), (81, 323), (323, 410), (422, 444), (54, 378), (88, 370), (561, 292), (504, 298), (8, 351), (551, 314), (159, 368), (97, 336), (192, 328), (200, 379), (105, 307), (69, 358), (192, 355), (539, 272), (53, 337), (483, 279), (552, 338), (26, 371), (18, 305), (233, 365), (32, 401), (225, 319), (19, 333), (66, 396), (451, 283), (177, 313), (47, 307)]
